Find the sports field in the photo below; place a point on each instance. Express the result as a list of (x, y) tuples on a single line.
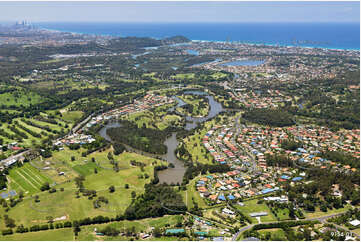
[(27, 179)]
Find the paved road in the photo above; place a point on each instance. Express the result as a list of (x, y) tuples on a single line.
[(235, 236), (237, 130), (344, 228), (79, 125)]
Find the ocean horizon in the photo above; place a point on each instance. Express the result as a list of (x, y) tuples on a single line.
[(314, 35)]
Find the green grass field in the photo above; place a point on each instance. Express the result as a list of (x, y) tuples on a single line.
[(27, 179), (86, 169), (31, 140), (276, 234), (319, 213), (251, 206), (65, 203), (184, 76), (169, 120), (20, 98), (192, 192), (283, 214), (218, 75), (50, 125), (48, 235), (71, 116)]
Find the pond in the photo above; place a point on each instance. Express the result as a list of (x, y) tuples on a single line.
[(192, 52)]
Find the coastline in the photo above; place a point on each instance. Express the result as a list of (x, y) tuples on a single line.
[(280, 45), (214, 41)]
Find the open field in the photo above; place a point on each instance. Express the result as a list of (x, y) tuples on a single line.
[(219, 75), (252, 206), (48, 235), (71, 116), (283, 214), (57, 127), (319, 213), (357, 231), (184, 76), (276, 234), (66, 203), (192, 192), (36, 131), (27, 179), (20, 98)]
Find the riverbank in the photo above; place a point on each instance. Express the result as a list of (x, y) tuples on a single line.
[(173, 175)]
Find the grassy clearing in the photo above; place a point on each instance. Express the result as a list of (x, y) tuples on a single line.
[(276, 234), (50, 125), (87, 232), (192, 193), (319, 213), (283, 214), (30, 141), (20, 98), (44, 134), (169, 120), (357, 231), (219, 75), (252, 206), (49, 235), (142, 119), (27, 179), (52, 168), (71, 116), (65, 203), (87, 169), (183, 76), (208, 213)]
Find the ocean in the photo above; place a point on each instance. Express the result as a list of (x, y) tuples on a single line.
[(323, 35)]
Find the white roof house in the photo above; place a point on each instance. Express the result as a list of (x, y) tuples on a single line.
[(355, 222)]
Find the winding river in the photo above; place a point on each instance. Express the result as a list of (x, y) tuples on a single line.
[(174, 175)]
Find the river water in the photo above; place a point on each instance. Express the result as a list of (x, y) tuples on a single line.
[(174, 175)]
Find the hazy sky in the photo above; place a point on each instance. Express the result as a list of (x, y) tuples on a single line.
[(181, 11)]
